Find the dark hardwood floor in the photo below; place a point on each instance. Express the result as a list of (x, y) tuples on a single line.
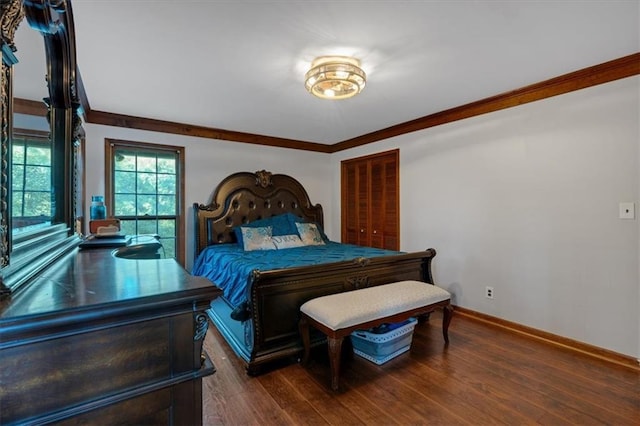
[(486, 376)]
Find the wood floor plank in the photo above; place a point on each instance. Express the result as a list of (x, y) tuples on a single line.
[(568, 359), (448, 390), (566, 380), (289, 399), (485, 376), (514, 368), (243, 401), (363, 408), (374, 382), (325, 401), (457, 367)]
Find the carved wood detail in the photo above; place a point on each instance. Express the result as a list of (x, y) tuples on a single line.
[(263, 179), (11, 14)]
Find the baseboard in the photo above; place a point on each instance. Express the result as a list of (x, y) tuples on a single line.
[(584, 348)]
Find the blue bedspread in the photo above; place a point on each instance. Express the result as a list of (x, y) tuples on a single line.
[(230, 267)]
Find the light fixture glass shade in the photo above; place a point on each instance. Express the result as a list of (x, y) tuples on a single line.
[(335, 77)]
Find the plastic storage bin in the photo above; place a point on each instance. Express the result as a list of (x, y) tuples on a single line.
[(382, 344)]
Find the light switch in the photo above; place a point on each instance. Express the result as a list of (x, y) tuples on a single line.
[(627, 211)]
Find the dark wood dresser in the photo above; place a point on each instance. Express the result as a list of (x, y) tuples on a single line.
[(101, 340)]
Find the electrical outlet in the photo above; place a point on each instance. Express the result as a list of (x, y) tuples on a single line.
[(488, 292), (627, 211)]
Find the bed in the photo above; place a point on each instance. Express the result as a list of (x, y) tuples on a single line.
[(259, 316)]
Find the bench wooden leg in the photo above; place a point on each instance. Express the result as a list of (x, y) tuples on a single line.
[(446, 319), (303, 327), (335, 351)]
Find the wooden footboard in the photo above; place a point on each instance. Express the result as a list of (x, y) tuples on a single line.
[(276, 297)]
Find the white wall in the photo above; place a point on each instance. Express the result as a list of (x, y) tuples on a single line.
[(526, 200), (208, 162)]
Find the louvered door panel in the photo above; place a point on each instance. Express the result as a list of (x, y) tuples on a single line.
[(363, 204), (377, 203), (391, 205), (350, 229), (370, 201)]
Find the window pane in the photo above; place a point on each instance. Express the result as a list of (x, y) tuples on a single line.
[(147, 227), (146, 163), (125, 161), (18, 153), (124, 182), (38, 178), (38, 155), (169, 246), (128, 227), (167, 165), (17, 177), (166, 205), (146, 205), (16, 200), (37, 204), (166, 184), (167, 228), (146, 183), (124, 205)]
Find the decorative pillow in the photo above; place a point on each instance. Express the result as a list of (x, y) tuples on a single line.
[(309, 234), (287, 241), (281, 224), (295, 220), (257, 238)]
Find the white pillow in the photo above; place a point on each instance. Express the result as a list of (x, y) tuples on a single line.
[(286, 241), (257, 238), (309, 234)]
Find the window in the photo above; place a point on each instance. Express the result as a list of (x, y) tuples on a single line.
[(30, 181), (144, 190)]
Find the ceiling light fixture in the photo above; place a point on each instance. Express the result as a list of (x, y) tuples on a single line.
[(335, 77)]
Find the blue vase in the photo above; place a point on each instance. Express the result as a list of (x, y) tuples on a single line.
[(98, 210)]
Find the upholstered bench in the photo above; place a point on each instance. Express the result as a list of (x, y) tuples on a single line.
[(338, 315)]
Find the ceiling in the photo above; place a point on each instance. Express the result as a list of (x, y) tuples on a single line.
[(240, 65)]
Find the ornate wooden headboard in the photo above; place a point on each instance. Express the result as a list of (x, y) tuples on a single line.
[(244, 197)]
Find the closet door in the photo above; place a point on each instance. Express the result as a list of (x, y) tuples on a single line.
[(370, 201), (355, 208), (383, 203)]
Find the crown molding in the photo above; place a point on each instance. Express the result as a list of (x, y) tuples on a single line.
[(131, 122), (25, 106), (603, 73)]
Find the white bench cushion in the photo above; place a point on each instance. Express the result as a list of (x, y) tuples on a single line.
[(342, 310)]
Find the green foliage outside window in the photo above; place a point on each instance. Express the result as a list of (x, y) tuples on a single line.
[(31, 202), (145, 194)]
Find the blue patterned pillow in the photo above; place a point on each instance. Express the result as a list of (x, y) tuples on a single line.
[(297, 219), (257, 238), (309, 234)]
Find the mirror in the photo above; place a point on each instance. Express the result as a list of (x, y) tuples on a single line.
[(30, 151), (39, 166)]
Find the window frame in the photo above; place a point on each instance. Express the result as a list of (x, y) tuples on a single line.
[(111, 145)]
